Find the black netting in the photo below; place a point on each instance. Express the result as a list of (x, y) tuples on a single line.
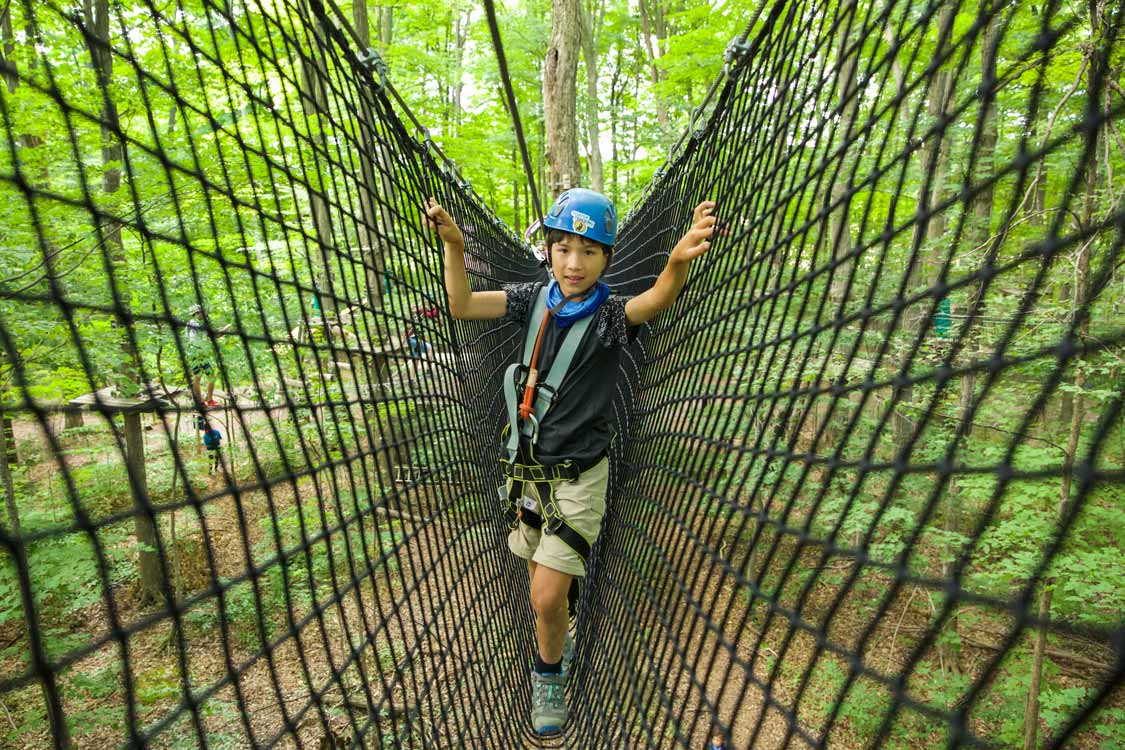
[(869, 469)]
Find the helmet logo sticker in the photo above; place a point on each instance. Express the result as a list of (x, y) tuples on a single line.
[(580, 222)]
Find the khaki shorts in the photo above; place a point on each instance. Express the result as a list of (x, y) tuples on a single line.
[(582, 504)]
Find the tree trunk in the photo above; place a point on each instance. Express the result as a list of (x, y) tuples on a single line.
[(10, 453), (1079, 299), (839, 220), (614, 103), (516, 188), (935, 154), (361, 22), (460, 39), (374, 226), (6, 443), (590, 22), (648, 26), (152, 582), (386, 25), (314, 101), (527, 217), (560, 75), (7, 39), (977, 236), (444, 84), (97, 19), (1031, 714)]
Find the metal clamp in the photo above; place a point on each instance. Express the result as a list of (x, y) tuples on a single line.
[(732, 56), (373, 61)]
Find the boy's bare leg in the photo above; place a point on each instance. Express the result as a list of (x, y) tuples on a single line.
[(549, 588)]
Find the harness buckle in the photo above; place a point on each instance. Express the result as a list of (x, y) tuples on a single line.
[(508, 505), (552, 392), (534, 422)]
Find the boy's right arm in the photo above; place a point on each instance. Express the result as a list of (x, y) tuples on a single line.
[(464, 303)]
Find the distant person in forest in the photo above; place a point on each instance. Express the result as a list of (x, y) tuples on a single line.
[(213, 442), (717, 742), (555, 446), (418, 346)]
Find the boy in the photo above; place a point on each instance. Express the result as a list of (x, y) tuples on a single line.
[(213, 441), (559, 434), (418, 346), (718, 742)]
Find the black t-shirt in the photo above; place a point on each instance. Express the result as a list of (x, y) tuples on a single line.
[(578, 426)]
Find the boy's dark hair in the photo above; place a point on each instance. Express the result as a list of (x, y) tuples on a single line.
[(557, 235)]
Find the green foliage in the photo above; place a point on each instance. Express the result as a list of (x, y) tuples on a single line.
[(240, 246), (64, 567)]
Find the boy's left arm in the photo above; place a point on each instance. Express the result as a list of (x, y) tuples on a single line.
[(663, 293)]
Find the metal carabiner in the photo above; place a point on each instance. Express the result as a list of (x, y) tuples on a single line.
[(534, 422)]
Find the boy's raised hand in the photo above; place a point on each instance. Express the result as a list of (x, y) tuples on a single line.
[(438, 218), (698, 239)]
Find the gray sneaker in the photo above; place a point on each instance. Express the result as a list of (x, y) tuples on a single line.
[(548, 703), (568, 654)]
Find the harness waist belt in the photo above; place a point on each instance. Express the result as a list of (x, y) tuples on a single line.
[(566, 471)]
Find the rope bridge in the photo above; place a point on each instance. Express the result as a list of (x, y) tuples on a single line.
[(867, 483)]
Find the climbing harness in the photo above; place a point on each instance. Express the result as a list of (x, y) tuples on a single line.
[(522, 432)]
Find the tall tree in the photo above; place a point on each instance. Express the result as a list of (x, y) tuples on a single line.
[(96, 16), (314, 100), (616, 93), (1083, 293), (8, 48), (839, 228), (929, 231), (652, 25), (560, 74), (386, 25), (976, 237), (590, 20), (97, 19), (373, 228)]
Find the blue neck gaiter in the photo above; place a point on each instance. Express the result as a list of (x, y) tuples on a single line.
[(576, 310)]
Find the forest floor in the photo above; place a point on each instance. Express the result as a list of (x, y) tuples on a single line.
[(733, 659)]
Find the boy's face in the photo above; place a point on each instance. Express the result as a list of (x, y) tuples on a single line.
[(577, 263)]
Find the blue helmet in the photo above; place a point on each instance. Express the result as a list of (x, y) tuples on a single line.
[(586, 213)]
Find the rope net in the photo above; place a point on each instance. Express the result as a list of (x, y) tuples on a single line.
[(867, 483)]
